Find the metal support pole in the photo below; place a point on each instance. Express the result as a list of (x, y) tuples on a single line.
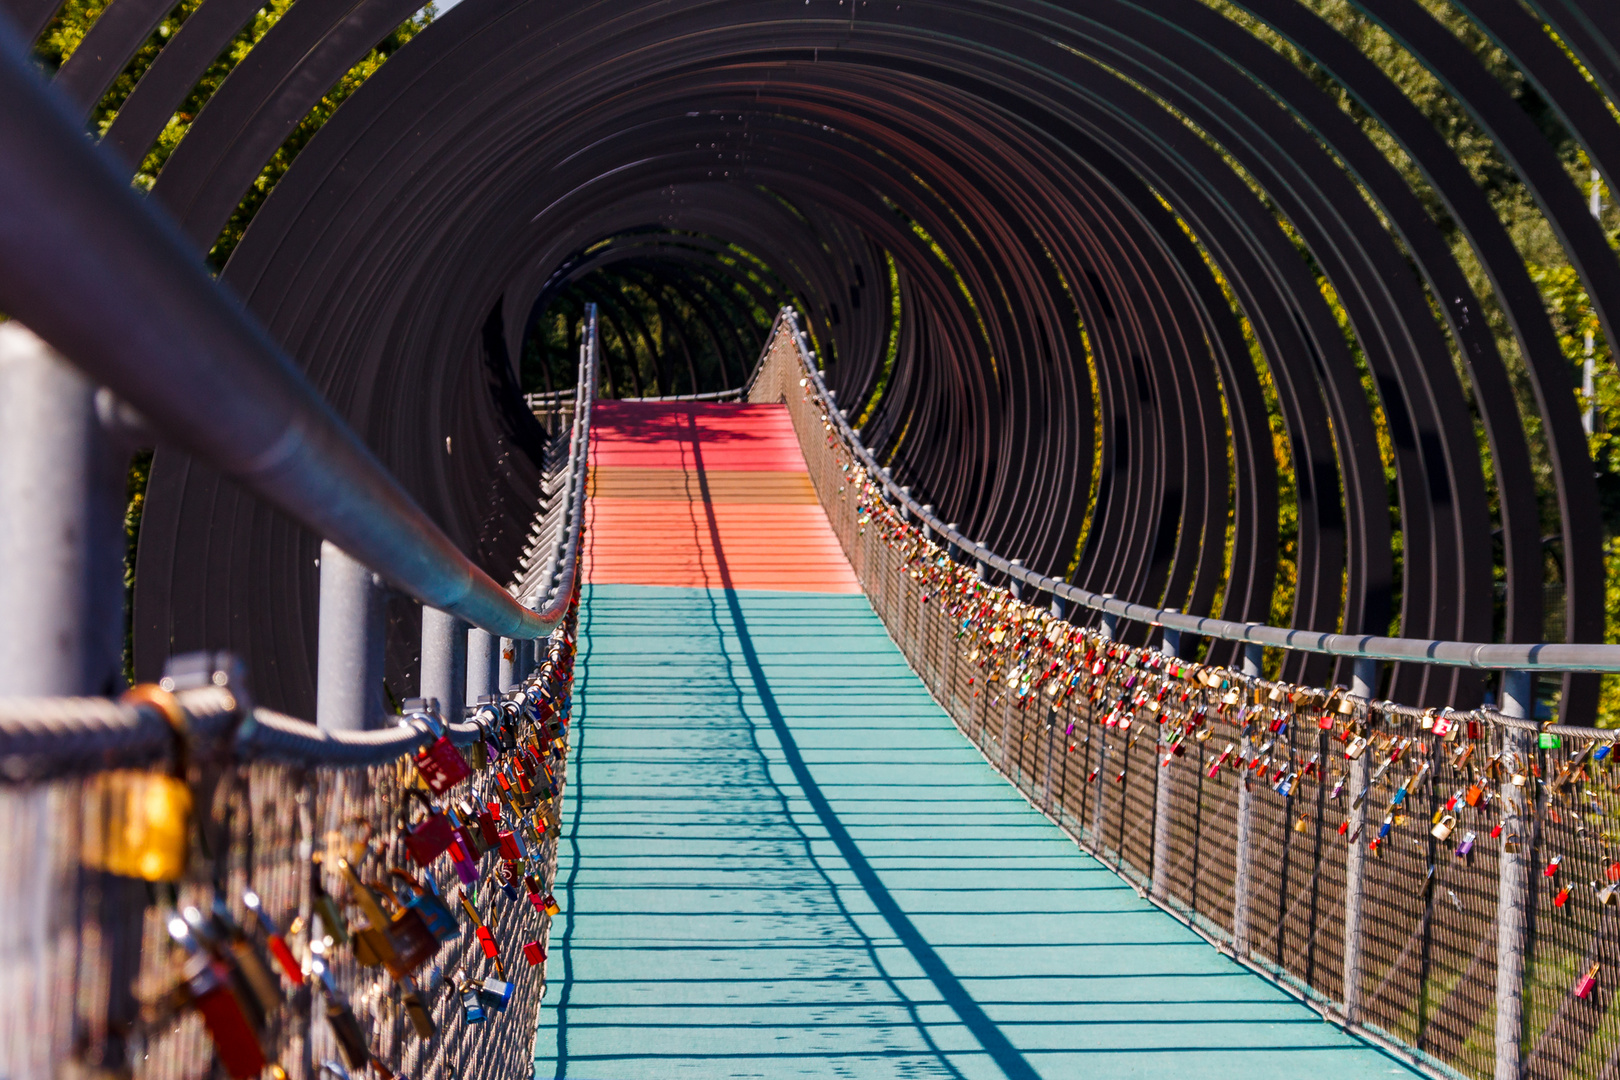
[(1171, 647), (483, 656), (1110, 622), (61, 528), (1015, 586), (1242, 885), (1059, 606), (1363, 684), (1254, 657), (350, 648), (444, 660), (1518, 745), (511, 666)]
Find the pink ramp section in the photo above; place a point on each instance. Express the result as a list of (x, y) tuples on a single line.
[(673, 501), (656, 435)]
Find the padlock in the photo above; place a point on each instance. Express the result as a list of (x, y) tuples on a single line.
[(439, 763), (231, 942), (1472, 795), (489, 824), (333, 924), (1552, 866), (535, 955), (426, 902), (206, 986), (462, 863), (1466, 847), (494, 994), (1606, 895), (1561, 897), (1357, 747), (1443, 828), (417, 1010), (340, 1017), (472, 1007), (278, 944), (430, 837), (1303, 825), (463, 818), (509, 847), (1510, 843), (1584, 986), (487, 942), (550, 904)]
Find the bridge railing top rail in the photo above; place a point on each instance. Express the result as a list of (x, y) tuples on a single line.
[(1543, 656), (204, 375)]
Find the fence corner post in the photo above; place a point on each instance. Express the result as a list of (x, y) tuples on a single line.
[(1518, 689), (1364, 684), (1171, 648)]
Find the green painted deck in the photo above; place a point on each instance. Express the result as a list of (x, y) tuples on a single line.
[(779, 858)]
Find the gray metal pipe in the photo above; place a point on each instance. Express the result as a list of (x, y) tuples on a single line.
[(1513, 887), (444, 660), (1162, 792), (169, 340), (62, 491), (1363, 684), (351, 646), (483, 654)]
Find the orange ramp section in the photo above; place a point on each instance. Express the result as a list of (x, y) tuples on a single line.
[(706, 496)]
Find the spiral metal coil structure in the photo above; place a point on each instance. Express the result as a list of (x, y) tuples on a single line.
[(1113, 228)]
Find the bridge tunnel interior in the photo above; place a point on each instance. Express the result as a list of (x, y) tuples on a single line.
[(1188, 302)]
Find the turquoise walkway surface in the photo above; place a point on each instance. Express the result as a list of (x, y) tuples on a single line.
[(781, 859)]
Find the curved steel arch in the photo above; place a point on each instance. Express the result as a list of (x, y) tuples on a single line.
[(1021, 168)]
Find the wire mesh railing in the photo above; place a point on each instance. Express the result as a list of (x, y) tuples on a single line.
[(1444, 883), (227, 892)]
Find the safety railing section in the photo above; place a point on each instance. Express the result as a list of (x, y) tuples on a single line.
[(1442, 882), (223, 890)]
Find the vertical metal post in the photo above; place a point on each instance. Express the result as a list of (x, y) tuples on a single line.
[(483, 654), (350, 648), (61, 528), (1171, 647), (444, 660), (1109, 629), (1060, 606), (1363, 684), (1254, 656), (62, 490), (1015, 586), (510, 669), (1244, 870), (1512, 891)]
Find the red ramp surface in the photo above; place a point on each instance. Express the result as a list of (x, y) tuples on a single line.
[(706, 496)]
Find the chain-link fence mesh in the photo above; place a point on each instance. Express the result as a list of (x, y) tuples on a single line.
[(93, 982)]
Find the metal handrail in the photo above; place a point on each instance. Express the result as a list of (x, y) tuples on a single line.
[(550, 600), (202, 372), (1547, 656)]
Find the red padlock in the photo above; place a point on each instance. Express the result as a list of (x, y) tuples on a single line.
[(510, 851), (431, 837), (486, 941), (534, 954), (439, 763)]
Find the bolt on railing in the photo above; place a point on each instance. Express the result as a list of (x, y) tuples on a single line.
[(1439, 881)]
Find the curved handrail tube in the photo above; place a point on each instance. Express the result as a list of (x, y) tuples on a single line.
[(99, 273), (1546, 656)]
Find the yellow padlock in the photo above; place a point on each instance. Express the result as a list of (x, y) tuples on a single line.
[(137, 824)]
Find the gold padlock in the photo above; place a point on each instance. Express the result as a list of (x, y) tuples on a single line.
[(138, 824)]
